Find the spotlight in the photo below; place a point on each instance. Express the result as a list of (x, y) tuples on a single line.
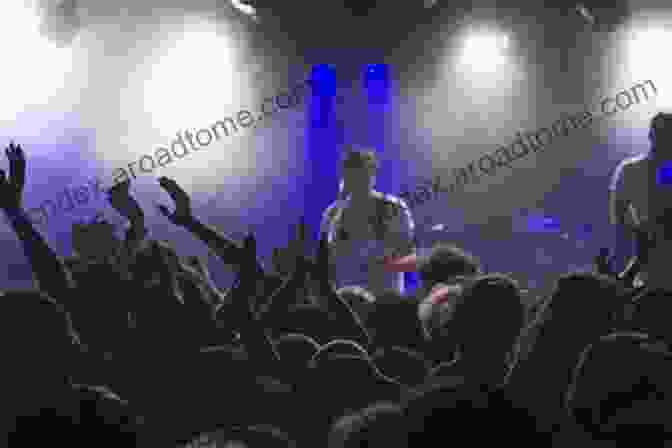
[(376, 82), (484, 51), (323, 77), (664, 175), (376, 72)]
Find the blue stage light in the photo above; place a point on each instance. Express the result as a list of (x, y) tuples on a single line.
[(664, 174), (323, 77), (377, 83), (376, 72)]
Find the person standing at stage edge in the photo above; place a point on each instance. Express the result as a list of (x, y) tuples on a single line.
[(641, 203), (365, 227)]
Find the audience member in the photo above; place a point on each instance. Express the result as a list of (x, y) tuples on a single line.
[(621, 389)]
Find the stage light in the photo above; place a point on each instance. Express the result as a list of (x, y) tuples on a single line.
[(377, 72), (644, 41), (377, 83), (196, 79), (484, 51), (182, 95), (664, 177), (323, 77)]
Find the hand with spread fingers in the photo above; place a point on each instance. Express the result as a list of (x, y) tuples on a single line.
[(182, 214), (11, 190)]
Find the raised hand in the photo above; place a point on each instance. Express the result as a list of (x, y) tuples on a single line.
[(288, 260), (182, 214), (251, 278), (11, 190), (253, 334), (17, 165), (302, 263), (121, 200)]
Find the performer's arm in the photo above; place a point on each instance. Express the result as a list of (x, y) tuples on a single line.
[(326, 230), (619, 212), (400, 256)]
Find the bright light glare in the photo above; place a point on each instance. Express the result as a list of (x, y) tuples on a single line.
[(637, 58), (186, 84), (34, 68), (484, 52), (644, 52), (197, 80), (646, 62)]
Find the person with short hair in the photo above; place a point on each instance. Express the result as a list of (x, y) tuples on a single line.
[(365, 226)]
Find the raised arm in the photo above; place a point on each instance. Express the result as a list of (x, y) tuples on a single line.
[(329, 217), (400, 238), (272, 311), (121, 200), (197, 270), (223, 247), (254, 335), (50, 273), (622, 218), (627, 229)]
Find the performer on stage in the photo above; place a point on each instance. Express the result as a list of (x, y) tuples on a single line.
[(366, 228), (640, 203)]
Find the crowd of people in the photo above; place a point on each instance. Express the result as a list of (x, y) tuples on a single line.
[(128, 343)]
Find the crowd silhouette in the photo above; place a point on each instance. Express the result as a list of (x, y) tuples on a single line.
[(128, 343)]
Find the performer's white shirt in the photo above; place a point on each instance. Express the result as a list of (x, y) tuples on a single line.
[(632, 183), (353, 257)]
